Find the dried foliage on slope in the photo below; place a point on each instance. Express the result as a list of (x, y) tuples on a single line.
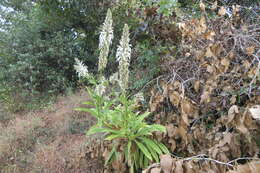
[(209, 99), (200, 164)]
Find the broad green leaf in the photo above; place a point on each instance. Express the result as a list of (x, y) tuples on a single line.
[(108, 104), (111, 137), (163, 147), (129, 145), (144, 150), (92, 111), (126, 155), (152, 144), (137, 158), (146, 162), (95, 129), (145, 131), (143, 116), (141, 159), (88, 103), (155, 155)]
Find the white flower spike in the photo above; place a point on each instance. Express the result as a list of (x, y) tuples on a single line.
[(105, 40), (123, 55)]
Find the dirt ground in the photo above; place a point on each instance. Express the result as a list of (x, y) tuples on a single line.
[(51, 140)]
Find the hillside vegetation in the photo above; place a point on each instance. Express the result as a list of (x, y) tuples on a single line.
[(154, 86)]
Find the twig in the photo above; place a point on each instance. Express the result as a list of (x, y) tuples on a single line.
[(148, 83), (155, 165), (243, 158), (201, 157)]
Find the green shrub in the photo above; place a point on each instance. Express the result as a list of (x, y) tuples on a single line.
[(146, 65), (39, 42), (119, 122)]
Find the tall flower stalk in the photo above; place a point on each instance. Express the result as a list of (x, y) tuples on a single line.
[(105, 39), (81, 69), (123, 55)]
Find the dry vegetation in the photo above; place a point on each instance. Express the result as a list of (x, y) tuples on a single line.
[(49, 141), (208, 99)]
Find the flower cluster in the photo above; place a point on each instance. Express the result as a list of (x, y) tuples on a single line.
[(101, 88), (105, 39), (81, 69), (113, 79), (123, 55)]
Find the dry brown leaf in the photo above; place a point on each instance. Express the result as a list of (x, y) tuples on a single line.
[(214, 6), (197, 86), (171, 130), (183, 134), (242, 169), (159, 135), (255, 112), (226, 140), (189, 168), (254, 166), (235, 9), (225, 62), (205, 97), (203, 27), (186, 106), (246, 64), (185, 119), (242, 128), (210, 68), (233, 110), (202, 6), (188, 109), (175, 98), (209, 53), (106, 154), (166, 163), (155, 100), (178, 168), (222, 11), (251, 167), (155, 170), (199, 54), (216, 49), (209, 35), (173, 144), (233, 99), (250, 50), (252, 72)]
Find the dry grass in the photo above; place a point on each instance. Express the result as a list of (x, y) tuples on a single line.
[(48, 141), (16, 140), (65, 154)]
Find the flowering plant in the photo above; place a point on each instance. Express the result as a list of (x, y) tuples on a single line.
[(116, 117)]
